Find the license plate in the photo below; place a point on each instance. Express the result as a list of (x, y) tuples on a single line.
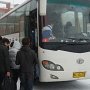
[(78, 74)]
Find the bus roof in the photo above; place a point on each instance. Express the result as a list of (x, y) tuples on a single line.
[(14, 9)]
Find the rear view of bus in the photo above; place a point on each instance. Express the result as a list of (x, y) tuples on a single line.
[(67, 55)]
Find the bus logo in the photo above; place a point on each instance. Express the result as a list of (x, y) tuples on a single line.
[(80, 61)]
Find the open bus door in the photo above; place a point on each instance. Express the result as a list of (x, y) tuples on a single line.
[(31, 27)]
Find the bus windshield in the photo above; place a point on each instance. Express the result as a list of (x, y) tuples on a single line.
[(67, 23)]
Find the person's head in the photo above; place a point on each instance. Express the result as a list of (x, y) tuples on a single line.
[(16, 45), (25, 41), (68, 24), (5, 42)]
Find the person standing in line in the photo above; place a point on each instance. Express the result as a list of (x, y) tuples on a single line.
[(12, 55), (0, 39), (4, 60), (6, 43), (26, 58)]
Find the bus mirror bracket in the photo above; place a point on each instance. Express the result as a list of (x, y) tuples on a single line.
[(42, 8)]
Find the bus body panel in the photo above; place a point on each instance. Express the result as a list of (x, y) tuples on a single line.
[(71, 62)]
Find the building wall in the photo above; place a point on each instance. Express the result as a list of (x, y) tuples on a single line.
[(4, 10)]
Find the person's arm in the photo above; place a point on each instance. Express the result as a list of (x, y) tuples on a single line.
[(18, 58), (7, 61)]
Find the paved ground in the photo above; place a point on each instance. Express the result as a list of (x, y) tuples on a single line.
[(68, 85)]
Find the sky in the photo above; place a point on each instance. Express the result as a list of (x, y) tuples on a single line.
[(12, 2)]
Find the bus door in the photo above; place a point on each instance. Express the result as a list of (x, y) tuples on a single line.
[(31, 27)]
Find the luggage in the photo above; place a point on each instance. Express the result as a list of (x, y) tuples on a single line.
[(8, 84)]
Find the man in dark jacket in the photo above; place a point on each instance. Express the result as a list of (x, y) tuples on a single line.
[(26, 58), (4, 60), (0, 39)]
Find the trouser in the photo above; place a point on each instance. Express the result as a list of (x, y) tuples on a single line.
[(36, 72), (2, 76), (26, 82), (15, 76)]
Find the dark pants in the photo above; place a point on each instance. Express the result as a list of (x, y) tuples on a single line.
[(2, 76), (26, 82), (15, 76)]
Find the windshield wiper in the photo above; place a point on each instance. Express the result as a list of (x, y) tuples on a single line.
[(79, 39)]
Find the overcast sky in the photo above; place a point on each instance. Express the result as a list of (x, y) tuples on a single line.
[(13, 2)]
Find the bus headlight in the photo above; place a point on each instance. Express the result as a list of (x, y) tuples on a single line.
[(58, 67), (52, 66)]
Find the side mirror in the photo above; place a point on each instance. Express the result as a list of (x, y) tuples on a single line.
[(42, 8)]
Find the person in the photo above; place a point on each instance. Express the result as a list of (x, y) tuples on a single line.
[(6, 43), (26, 58), (47, 32), (0, 39), (4, 60), (15, 46), (69, 30)]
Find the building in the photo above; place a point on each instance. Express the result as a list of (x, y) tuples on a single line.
[(6, 9)]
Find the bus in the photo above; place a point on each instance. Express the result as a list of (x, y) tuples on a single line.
[(64, 57)]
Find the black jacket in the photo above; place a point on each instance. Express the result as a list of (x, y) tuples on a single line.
[(26, 58), (4, 59)]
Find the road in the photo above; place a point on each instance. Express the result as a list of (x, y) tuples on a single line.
[(68, 85)]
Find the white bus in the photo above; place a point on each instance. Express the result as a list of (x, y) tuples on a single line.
[(66, 56)]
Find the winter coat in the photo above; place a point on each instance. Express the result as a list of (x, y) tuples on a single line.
[(12, 54), (27, 58), (47, 31), (4, 59)]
